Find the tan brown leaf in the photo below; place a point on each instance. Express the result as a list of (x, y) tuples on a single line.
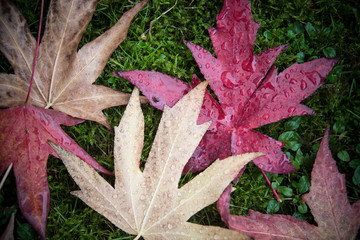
[(150, 203), (63, 77)]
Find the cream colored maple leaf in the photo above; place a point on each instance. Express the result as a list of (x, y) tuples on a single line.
[(63, 76), (150, 203)]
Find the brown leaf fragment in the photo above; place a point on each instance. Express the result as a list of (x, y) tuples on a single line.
[(63, 77), (150, 203), (327, 200)]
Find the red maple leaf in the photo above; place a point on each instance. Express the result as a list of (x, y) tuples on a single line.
[(250, 93), (24, 134), (328, 202)]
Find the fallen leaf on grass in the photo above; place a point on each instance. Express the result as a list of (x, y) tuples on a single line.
[(250, 93), (8, 234), (63, 80), (63, 76), (24, 133), (149, 203), (328, 202)]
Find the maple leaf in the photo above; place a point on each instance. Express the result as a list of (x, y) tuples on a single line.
[(24, 132), (250, 94), (150, 203), (63, 80), (8, 234), (63, 76), (328, 202)]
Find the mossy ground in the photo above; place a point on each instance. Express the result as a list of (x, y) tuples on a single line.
[(312, 29)]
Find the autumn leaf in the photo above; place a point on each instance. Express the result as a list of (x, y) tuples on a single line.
[(24, 132), (63, 76), (328, 202), (8, 234), (149, 203), (63, 81), (250, 92)]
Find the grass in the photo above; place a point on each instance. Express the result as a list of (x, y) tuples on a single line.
[(312, 29)]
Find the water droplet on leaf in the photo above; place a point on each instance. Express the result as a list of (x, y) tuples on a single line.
[(303, 85)]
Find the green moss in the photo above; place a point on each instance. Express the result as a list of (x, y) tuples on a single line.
[(312, 29)]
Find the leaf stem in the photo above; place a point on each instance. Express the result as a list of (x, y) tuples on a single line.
[(5, 175), (273, 190), (36, 52)]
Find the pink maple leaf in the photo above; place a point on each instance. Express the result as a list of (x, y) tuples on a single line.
[(328, 202), (24, 134), (250, 92)]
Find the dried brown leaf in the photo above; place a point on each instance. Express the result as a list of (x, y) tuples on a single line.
[(63, 77), (150, 203)]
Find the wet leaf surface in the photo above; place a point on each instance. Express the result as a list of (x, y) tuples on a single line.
[(63, 76), (24, 132), (63, 81), (150, 203), (327, 200), (250, 92)]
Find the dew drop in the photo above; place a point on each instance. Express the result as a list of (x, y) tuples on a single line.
[(240, 16), (303, 85), (232, 31), (114, 196), (236, 59), (228, 80), (293, 81), (247, 64), (287, 76), (286, 94), (274, 98), (197, 47), (265, 116), (242, 92), (245, 149), (140, 76), (314, 77), (170, 226), (200, 55), (212, 32), (207, 65), (249, 92), (291, 109)]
